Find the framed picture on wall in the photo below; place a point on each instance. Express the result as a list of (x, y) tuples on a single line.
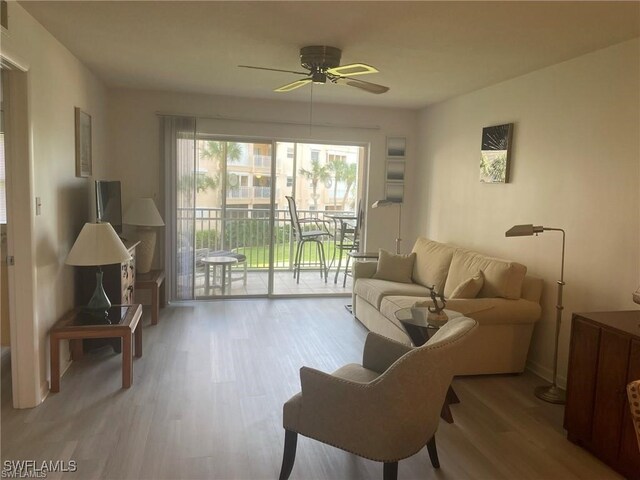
[(495, 153), (395, 192), (396, 147), (395, 170), (83, 143)]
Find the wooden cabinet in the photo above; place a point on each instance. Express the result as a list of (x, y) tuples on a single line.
[(604, 357), (118, 281)]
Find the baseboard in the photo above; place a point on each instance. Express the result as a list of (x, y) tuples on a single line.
[(546, 373), (5, 363)]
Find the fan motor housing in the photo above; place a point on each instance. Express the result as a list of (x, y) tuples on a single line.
[(320, 58)]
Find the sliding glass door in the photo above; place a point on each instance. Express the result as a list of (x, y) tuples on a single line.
[(234, 234), (232, 217)]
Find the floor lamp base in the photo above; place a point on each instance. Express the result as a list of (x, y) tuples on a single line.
[(551, 394)]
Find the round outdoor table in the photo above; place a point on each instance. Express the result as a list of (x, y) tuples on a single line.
[(223, 262)]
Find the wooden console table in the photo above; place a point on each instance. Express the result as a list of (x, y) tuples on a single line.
[(604, 357), (125, 325), (154, 281)]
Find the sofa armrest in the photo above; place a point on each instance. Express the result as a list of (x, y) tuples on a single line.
[(364, 269), (381, 352)]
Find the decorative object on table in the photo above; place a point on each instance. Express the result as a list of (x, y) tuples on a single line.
[(98, 244), (496, 150), (83, 143), (144, 214), (388, 203), (436, 312), (636, 296), (550, 393), (396, 147)]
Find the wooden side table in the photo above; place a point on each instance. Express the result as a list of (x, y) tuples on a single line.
[(125, 325), (154, 281)]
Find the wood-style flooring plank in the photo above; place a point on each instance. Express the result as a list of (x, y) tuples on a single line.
[(206, 403)]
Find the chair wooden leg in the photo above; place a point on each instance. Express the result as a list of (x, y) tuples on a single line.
[(433, 452), (390, 471), (289, 455)]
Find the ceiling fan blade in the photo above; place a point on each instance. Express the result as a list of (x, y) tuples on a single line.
[(352, 69), (273, 69), (363, 85), (292, 86)]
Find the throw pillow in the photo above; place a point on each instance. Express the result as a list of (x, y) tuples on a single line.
[(395, 268), (470, 287)]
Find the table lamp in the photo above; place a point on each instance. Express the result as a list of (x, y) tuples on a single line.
[(98, 244), (143, 214), (388, 203), (550, 393)]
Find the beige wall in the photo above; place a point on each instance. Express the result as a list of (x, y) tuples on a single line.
[(576, 165), (57, 82), (134, 129)]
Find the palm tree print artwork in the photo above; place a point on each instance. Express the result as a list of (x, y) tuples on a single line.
[(496, 144)]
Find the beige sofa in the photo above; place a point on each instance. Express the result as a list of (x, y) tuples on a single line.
[(506, 308)]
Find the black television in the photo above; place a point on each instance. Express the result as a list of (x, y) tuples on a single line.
[(109, 203)]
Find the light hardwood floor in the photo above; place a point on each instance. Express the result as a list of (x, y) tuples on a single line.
[(207, 398)]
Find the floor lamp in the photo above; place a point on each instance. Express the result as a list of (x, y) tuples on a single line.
[(388, 203), (550, 393)]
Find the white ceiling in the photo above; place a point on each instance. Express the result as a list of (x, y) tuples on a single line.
[(425, 51)]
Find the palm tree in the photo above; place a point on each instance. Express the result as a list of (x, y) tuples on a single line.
[(217, 151), (337, 165), (318, 173), (349, 177)]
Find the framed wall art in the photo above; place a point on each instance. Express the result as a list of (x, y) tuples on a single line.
[(495, 153), (395, 171), (395, 192), (83, 143), (396, 147)]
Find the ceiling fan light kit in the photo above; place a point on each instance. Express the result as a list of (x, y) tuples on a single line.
[(323, 63)]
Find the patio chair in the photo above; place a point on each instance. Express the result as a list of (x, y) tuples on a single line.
[(348, 241), (304, 236)]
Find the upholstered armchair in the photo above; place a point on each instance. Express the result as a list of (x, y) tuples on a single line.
[(386, 409), (633, 389)]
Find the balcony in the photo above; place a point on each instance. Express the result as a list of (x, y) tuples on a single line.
[(262, 161), (246, 231)]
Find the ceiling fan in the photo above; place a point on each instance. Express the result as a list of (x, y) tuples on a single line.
[(323, 63)]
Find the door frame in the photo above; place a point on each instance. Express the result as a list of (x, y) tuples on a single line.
[(28, 385)]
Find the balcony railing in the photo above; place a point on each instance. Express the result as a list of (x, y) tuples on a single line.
[(263, 161), (249, 192), (246, 231)]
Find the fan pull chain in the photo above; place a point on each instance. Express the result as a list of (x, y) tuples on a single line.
[(311, 110)]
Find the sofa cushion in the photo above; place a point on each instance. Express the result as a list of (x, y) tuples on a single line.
[(394, 268), (502, 278), (432, 263), (373, 291), (470, 287)]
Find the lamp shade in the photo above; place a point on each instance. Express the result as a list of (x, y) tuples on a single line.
[(97, 244), (523, 230), (143, 213)]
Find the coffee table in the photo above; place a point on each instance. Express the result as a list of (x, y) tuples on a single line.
[(420, 332), (73, 327)]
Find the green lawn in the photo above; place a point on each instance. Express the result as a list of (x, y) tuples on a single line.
[(258, 257)]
